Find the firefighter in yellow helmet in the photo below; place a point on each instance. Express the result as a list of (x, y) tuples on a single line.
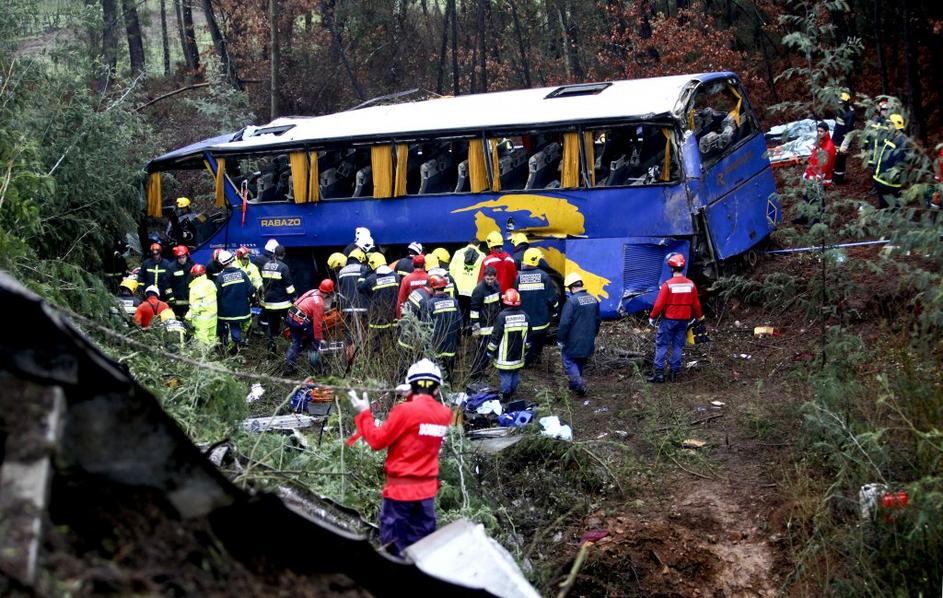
[(538, 300), (501, 260), (127, 297), (892, 163), (175, 333), (202, 314)]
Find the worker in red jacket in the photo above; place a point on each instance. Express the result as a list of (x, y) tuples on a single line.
[(501, 260), (678, 302), (821, 162), (305, 320), (150, 307), (416, 279), (412, 434)]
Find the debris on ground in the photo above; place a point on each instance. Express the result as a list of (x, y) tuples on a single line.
[(552, 428)]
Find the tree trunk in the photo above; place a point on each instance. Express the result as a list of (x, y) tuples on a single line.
[(879, 47), (165, 41), (456, 84), (521, 46), (275, 56), (190, 49), (574, 71), (178, 13), (482, 47), (327, 16), (109, 38), (443, 48), (219, 42), (912, 64), (135, 41)]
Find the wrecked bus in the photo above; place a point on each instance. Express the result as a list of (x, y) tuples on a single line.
[(606, 179)]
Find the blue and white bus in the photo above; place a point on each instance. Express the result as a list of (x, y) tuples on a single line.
[(605, 178)]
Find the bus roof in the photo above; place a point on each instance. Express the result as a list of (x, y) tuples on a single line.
[(541, 107)]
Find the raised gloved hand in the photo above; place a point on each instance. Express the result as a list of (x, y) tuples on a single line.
[(359, 404), (403, 390)]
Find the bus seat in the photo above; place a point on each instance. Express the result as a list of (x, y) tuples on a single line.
[(437, 175), (619, 171), (544, 166), (363, 187), (337, 182), (461, 185), (513, 169)]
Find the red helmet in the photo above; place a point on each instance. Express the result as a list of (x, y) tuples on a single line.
[(419, 260), (216, 253), (242, 252), (511, 297), (181, 250), (156, 247), (676, 260), (437, 282), (197, 270), (326, 286)]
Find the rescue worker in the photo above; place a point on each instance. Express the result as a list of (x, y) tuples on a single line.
[(818, 173), (844, 125), (116, 264), (214, 267), (181, 226), (875, 131), (381, 288), (155, 270), (576, 336), (538, 300), (305, 320), (503, 263), (175, 333), (127, 297), (234, 293), (203, 309), (483, 310), (278, 290), (244, 256), (508, 342), (350, 299), (150, 307), (363, 241), (678, 303), (180, 281), (442, 310), (521, 244), (335, 262), (891, 164), (404, 266), (414, 280), (465, 268), (434, 268), (412, 434)]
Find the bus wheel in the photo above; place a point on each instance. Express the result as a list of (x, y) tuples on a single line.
[(751, 258)]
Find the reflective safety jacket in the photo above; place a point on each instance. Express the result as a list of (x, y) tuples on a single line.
[(579, 325), (277, 285), (308, 312), (509, 339), (412, 434), (255, 276), (875, 132), (446, 318), (404, 266), (538, 296), (180, 282), (146, 311), (412, 281), (678, 299), (464, 268), (202, 310), (234, 294), (891, 162), (485, 306), (504, 266), (348, 281), (449, 283), (381, 287), (175, 333), (157, 273), (844, 124)]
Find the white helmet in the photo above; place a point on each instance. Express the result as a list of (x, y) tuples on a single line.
[(424, 369), (156, 291), (365, 243), (415, 247), (225, 257), (361, 232), (271, 245)]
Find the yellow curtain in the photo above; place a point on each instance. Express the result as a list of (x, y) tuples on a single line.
[(588, 140), (666, 165), (220, 182), (477, 172), (381, 160), (495, 166), (153, 195), (570, 177), (314, 190), (299, 175), (402, 155), (735, 113)]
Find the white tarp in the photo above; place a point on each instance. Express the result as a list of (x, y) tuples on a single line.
[(793, 142), (464, 554)]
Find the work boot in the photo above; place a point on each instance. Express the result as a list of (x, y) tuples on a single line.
[(674, 376), (657, 377)]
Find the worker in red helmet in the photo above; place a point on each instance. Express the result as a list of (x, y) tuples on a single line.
[(202, 314), (155, 270), (678, 302), (446, 317), (244, 259), (305, 320), (180, 281), (508, 343)]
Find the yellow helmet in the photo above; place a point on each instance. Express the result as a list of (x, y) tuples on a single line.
[(442, 254), (183, 202), (336, 260), (167, 314), (518, 238), (845, 96), (131, 284), (358, 255), (494, 239), (897, 120), (532, 256), (432, 261), (376, 259), (571, 279)]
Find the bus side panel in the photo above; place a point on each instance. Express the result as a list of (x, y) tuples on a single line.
[(645, 267), (743, 218)]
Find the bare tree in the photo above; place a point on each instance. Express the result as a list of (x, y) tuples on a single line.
[(275, 56), (164, 40), (135, 41), (188, 35), (521, 46), (482, 47), (219, 42), (109, 36), (456, 87)]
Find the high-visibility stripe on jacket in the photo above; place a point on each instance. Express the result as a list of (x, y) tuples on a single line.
[(538, 296), (234, 292), (412, 281), (446, 319), (381, 288), (891, 161), (202, 300), (348, 283), (485, 306), (678, 299), (449, 284), (157, 273), (464, 269), (255, 277), (277, 285), (180, 282), (509, 339)]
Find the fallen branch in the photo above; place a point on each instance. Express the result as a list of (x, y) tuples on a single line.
[(694, 423), (183, 89), (694, 473)]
